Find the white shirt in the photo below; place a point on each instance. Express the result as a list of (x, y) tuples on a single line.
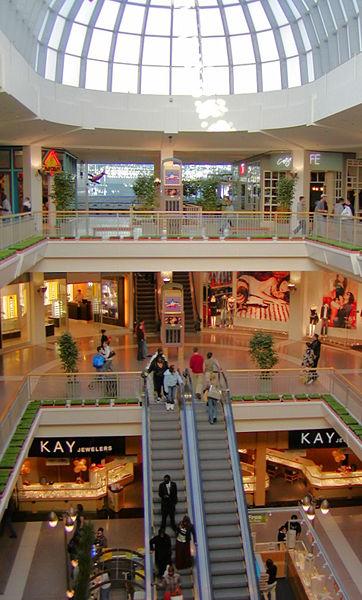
[(168, 486), (347, 212)]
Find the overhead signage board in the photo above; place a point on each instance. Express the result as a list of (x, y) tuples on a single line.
[(73, 447), (325, 161), (281, 162), (315, 438)]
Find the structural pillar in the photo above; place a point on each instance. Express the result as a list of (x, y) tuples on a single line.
[(32, 179), (330, 186), (297, 318), (301, 168), (37, 311), (260, 468)]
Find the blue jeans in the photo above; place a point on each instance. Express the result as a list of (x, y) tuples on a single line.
[(212, 409), (171, 395)]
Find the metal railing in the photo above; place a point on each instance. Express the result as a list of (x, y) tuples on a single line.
[(10, 421), (282, 383), (85, 388), (19, 227), (147, 491), (192, 468), (136, 225), (249, 556)]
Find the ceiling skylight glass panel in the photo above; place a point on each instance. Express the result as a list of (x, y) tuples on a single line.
[(156, 51), (236, 20), (155, 80), (290, 48), (293, 67), (294, 9), (258, 15), (56, 35), (267, 46), (214, 52), (96, 75), (132, 20), (51, 64), (305, 37), (242, 50), (158, 21), (125, 79), (127, 48), (161, 2), (84, 13), (185, 52), (207, 2), (100, 44), (184, 22), (216, 81), (185, 81), (211, 23), (310, 66), (271, 76), (76, 39), (279, 15), (64, 11), (71, 70), (245, 79), (107, 16)]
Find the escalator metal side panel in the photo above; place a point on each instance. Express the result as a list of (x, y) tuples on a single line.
[(147, 496), (249, 556)]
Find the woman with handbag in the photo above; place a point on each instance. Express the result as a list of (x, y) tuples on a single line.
[(214, 395), (171, 583), (184, 532)]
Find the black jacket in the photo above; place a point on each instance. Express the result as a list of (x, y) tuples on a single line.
[(166, 499), (162, 547), (316, 347)]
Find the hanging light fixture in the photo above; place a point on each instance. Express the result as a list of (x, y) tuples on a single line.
[(72, 513), (53, 519), (306, 502), (324, 507), (68, 524), (311, 513)]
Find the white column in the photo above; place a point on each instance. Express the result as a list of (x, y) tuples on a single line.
[(32, 163), (297, 318), (37, 310), (301, 167)]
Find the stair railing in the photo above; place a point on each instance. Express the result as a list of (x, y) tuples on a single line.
[(193, 297), (147, 493), (192, 468), (249, 555)]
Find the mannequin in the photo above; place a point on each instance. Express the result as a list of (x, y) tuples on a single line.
[(224, 310), (231, 310), (325, 315), (313, 320), (213, 308)]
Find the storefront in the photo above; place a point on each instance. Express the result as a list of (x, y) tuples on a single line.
[(99, 472), (11, 176), (317, 461), (15, 312), (326, 177)]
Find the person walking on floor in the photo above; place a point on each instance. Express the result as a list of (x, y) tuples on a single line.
[(104, 337), (316, 347), (197, 371), (271, 570), (167, 491), (171, 380), (184, 532), (140, 335), (161, 546), (308, 362), (158, 367)]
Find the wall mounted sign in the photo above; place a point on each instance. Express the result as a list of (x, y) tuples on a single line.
[(63, 447), (281, 162), (325, 161), (51, 162), (315, 438)]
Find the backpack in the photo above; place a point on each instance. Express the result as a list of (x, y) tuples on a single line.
[(98, 361)]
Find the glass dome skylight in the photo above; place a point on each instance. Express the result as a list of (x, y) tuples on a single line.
[(196, 47)]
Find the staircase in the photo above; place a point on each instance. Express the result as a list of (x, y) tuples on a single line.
[(145, 303), (184, 278), (167, 458), (226, 555)]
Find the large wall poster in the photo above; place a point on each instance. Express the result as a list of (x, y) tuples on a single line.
[(263, 295), (340, 293)]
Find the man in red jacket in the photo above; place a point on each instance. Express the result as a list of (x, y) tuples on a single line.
[(197, 371)]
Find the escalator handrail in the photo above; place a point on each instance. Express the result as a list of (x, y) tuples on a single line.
[(147, 493), (193, 297), (197, 502), (249, 555)]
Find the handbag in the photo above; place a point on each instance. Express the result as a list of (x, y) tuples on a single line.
[(214, 392)]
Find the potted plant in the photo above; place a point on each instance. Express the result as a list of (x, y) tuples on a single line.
[(85, 562), (145, 188), (262, 352), (63, 194), (69, 354)]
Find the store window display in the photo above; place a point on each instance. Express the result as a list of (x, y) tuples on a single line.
[(313, 320), (263, 295), (340, 294), (325, 316), (14, 303)]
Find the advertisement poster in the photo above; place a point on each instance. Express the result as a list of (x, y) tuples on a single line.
[(340, 293), (172, 304), (172, 176), (263, 295)]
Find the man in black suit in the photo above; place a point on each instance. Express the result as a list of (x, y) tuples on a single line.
[(168, 494)]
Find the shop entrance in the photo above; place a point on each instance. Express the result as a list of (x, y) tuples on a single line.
[(316, 188)]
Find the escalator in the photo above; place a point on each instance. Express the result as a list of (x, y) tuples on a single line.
[(231, 560), (145, 300), (184, 278)]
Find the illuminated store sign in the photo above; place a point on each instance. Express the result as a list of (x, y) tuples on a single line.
[(281, 162), (315, 438), (326, 161), (71, 447)]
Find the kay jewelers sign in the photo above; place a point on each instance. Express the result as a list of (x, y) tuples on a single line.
[(315, 438), (76, 446)]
